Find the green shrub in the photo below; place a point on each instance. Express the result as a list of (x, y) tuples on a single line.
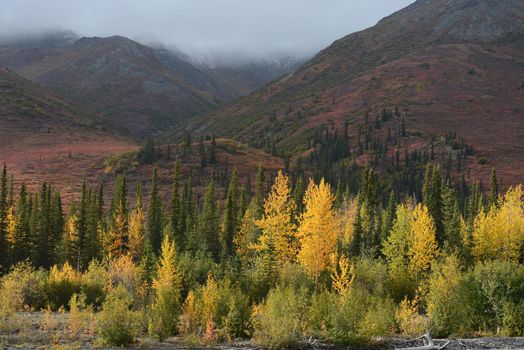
[(453, 302), (235, 323), (323, 307), (80, 317), (61, 285), (118, 324), (25, 287), (94, 283), (499, 282), (294, 276), (281, 320), (379, 319), (513, 319)]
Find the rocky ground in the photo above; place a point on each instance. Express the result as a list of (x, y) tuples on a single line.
[(40, 330)]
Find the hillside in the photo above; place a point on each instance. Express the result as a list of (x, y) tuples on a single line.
[(44, 138), (144, 89), (449, 65)]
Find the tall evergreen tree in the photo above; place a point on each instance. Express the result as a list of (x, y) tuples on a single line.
[(230, 220), (493, 189), (432, 198), (57, 226), (208, 223), (202, 153), (175, 208), (43, 247), (4, 206), (213, 151), (259, 186), (155, 215)]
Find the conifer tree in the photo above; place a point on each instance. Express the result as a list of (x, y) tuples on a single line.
[(4, 206), (298, 194), (388, 217), (44, 241), (57, 225), (34, 228), (248, 234), (432, 198), (213, 151), (202, 153), (230, 223), (155, 215), (369, 212), (208, 224), (175, 208), (22, 244), (259, 186), (136, 227), (117, 237), (493, 189)]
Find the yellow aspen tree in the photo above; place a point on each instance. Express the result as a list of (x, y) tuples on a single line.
[(166, 287), (347, 219), (11, 226), (423, 248), (510, 222), (136, 232), (278, 230), (343, 277), (484, 240), (498, 234), (319, 229)]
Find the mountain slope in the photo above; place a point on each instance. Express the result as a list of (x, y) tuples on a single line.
[(43, 138), (450, 65), (143, 88)]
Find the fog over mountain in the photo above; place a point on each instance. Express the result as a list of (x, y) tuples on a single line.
[(205, 29)]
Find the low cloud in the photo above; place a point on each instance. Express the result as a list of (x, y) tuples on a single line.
[(254, 28)]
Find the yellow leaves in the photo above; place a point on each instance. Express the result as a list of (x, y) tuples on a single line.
[(319, 228), (499, 233), (66, 273), (136, 232), (342, 278), (423, 248), (11, 226), (278, 231), (167, 277)]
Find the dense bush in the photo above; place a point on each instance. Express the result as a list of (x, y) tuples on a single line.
[(454, 304), (282, 319), (94, 283), (62, 283), (360, 315), (24, 286), (118, 324)]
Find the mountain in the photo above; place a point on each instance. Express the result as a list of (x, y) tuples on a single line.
[(44, 138), (448, 65), (143, 88)]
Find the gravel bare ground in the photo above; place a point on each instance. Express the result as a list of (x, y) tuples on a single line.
[(37, 330)]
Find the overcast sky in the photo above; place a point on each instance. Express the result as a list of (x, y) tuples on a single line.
[(254, 27)]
